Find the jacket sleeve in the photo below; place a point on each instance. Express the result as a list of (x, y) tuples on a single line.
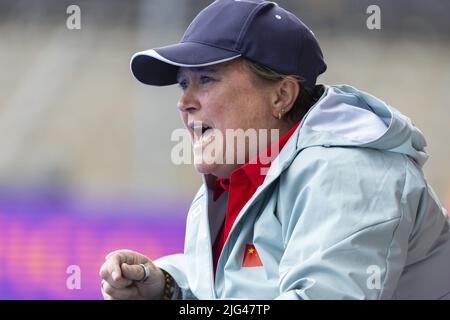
[(175, 265), (345, 224)]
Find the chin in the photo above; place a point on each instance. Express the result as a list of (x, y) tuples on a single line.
[(218, 170), (205, 168), (206, 163)]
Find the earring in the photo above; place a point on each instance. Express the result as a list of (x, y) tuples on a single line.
[(280, 114)]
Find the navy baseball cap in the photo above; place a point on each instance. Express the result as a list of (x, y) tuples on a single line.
[(260, 31)]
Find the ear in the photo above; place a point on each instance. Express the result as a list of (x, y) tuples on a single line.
[(284, 95)]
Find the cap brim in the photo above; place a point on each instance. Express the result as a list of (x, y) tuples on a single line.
[(159, 67)]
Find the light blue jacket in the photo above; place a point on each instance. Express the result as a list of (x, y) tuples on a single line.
[(344, 213)]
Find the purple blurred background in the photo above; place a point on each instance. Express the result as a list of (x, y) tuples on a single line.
[(43, 233)]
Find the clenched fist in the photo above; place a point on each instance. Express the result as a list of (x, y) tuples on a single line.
[(122, 273)]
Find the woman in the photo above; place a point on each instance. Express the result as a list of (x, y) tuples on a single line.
[(337, 207)]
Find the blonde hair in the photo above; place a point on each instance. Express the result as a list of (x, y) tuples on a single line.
[(305, 99)]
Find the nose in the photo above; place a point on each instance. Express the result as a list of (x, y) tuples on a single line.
[(188, 101)]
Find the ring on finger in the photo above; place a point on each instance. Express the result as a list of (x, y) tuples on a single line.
[(146, 272)]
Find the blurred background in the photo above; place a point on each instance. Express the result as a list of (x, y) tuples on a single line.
[(85, 149)]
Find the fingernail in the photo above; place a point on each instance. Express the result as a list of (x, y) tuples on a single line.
[(114, 275)]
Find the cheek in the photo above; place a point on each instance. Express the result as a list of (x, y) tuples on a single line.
[(251, 102), (249, 112), (216, 108), (235, 107)]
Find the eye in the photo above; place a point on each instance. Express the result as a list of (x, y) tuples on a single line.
[(205, 79), (183, 84)]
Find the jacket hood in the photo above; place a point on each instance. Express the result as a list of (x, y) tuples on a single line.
[(347, 117)]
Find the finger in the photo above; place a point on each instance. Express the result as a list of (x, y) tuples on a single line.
[(111, 272), (133, 272), (116, 252), (116, 272), (111, 269), (122, 283), (104, 271), (118, 282), (106, 296), (128, 256), (119, 294)]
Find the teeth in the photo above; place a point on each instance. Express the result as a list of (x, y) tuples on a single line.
[(201, 128)]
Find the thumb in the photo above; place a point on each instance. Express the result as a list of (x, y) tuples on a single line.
[(133, 271)]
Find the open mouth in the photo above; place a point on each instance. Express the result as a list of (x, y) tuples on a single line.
[(200, 128), (202, 133), (205, 128)]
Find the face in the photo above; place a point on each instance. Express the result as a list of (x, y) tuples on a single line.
[(217, 98)]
